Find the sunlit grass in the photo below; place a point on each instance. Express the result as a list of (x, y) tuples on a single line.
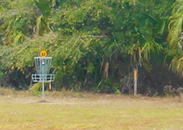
[(83, 111)]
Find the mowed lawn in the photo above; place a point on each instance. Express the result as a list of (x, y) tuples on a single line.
[(83, 111)]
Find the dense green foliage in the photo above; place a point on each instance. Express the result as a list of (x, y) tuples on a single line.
[(94, 44)]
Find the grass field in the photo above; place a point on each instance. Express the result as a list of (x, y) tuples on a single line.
[(85, 111)]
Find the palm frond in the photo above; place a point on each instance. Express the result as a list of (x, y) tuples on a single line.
[(149, 48), (174, 37)]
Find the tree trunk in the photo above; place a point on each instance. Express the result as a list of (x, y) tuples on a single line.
[(106, 70)]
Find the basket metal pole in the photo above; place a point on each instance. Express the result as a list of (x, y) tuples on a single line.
[(43, 95)]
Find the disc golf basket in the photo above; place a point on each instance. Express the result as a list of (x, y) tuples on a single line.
[(43, 65)]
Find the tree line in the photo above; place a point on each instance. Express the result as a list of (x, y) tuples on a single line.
[(95, 44)]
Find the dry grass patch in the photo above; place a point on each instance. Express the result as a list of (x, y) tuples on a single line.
[(86, 111)]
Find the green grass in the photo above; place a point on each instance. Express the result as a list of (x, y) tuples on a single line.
[(84, 111)]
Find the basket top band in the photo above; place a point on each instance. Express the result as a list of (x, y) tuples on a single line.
[(38, 57)]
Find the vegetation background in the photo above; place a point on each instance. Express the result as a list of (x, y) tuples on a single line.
[(95, 44)]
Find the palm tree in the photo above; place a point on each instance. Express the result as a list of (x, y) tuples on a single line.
[(175, 37)]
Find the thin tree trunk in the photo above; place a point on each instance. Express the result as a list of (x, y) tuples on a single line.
[(106, 70)]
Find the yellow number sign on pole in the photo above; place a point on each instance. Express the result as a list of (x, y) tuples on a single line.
[(135, 73), (43, 53), (135, 81)]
